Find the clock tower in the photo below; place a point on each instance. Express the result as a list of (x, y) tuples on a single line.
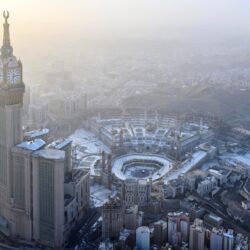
[(11, 97)]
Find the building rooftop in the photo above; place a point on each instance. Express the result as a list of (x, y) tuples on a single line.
[(124, 234), (176, 182), (60, 143), (219, 171), (229, 233), (113, 203), (106, 245), (205, 146), (214, 218), (237, 158), (160, 222), (142, 229), (187, 165), (36, 133), (177, 214), (51, 154), (32, 145), (132, 209)]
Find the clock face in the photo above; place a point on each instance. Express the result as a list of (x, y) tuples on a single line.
[(13, 76)]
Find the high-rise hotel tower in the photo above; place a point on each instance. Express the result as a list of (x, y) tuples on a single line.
[(41, 196), (11, 97)]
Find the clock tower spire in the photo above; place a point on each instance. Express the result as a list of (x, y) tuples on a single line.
[(10, 67), (6, 50)]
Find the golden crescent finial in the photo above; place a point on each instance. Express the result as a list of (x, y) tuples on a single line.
[(6, 15)]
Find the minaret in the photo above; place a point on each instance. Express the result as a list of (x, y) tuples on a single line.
[(11, 98)]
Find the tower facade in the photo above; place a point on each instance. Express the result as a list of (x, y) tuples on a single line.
[(197, 236), (48, 197), (216, 239), (11, 98), (143, 238), (228, 240), (112, 218), (160, 232), (136, 192)]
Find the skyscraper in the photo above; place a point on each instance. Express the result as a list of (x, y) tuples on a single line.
[(41, 196), (112, 218), (178, 228), (143, 238), (160, 232), (48, 196), (228, 240), (11, 98), (216, 239), (22, 204), (197, 236)]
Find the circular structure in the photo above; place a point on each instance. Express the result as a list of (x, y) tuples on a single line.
[(140, 166)]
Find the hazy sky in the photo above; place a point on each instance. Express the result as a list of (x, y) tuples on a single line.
[(58, 21), (124, 16)]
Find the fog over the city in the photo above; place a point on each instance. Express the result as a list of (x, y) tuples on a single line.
[(171, 54), (63, 23)]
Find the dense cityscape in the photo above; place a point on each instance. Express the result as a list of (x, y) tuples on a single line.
[(136, 164)]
